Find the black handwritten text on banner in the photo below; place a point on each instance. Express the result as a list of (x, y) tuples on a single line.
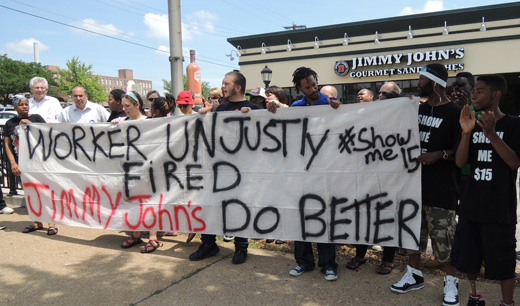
[(312, 173)]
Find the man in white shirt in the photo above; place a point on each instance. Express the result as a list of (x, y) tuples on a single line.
[(83, 111), (47, 107)]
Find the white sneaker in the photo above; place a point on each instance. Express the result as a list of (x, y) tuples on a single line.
[(7, 210), (412, 280), (377, 248), (451, 291), (228, 238)]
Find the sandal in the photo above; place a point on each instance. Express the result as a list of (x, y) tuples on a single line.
[(385, 268), (151, 246), (131, 242), (52, 230), (31, 228), (354, 263)]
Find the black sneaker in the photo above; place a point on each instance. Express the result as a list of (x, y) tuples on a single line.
[(240, 256), (476, 300), (204, 252)]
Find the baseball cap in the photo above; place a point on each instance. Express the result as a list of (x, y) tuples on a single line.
[(184, 97), (257, 91)]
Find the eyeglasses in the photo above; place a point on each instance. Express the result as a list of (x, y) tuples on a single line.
[(383, 93)]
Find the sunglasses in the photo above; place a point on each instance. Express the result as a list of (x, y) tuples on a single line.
[(182, 105), (151, 99)]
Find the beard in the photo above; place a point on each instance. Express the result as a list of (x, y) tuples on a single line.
[(231, 92), (425, 91)]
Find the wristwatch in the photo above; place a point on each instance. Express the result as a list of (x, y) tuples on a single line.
[(445, 155)]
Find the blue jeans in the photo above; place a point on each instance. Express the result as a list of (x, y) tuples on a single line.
[(305, 258), (209, 240)]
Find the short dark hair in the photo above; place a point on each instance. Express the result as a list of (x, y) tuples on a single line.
[(467, 75), (117, 94), (278, 92), (238, 79), (496, 82), (303, 73)]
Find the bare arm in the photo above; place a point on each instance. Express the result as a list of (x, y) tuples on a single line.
[(9, 150), (467, 123)]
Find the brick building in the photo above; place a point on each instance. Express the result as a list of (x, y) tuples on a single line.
[(125, 81)]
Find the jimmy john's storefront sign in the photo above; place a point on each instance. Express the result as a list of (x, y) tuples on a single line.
[(413, 62)]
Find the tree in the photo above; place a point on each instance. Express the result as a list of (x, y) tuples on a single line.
[(15, 76), (79, 74), (167, 85)]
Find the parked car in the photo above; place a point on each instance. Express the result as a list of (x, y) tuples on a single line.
[(6, 108), (6, 115)]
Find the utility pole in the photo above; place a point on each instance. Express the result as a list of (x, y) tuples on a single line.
[(174, 21), (295, 27)]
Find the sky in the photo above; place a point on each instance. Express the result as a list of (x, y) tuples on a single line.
[(133, 34)]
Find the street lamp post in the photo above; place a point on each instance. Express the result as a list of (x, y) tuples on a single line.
[(266, 76)]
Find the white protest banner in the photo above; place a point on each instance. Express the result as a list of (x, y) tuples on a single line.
[(305, 173)]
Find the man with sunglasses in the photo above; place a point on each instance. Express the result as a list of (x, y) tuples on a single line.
[(389, 90)]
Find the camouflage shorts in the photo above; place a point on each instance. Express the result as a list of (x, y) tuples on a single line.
[(438, 224)]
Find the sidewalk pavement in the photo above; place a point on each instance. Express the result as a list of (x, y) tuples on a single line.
[(82, 266)]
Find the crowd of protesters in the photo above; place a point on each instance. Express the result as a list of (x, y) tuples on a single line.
[(484, 232)]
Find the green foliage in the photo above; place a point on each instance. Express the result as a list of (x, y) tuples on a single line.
[(80, 74), (167, 85), (15, 76)]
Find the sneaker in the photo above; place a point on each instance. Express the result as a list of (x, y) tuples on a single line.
[(412, 280), (297, 271), (204, 252), (6, 210), (330, 274), (240, 255), (229, 238), (476, 300), (451, 291), (377, 248)]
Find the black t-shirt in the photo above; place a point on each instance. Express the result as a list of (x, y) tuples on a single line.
[(114, 115), (490, 195), (235, 106), (439, 129), (11, 130)]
